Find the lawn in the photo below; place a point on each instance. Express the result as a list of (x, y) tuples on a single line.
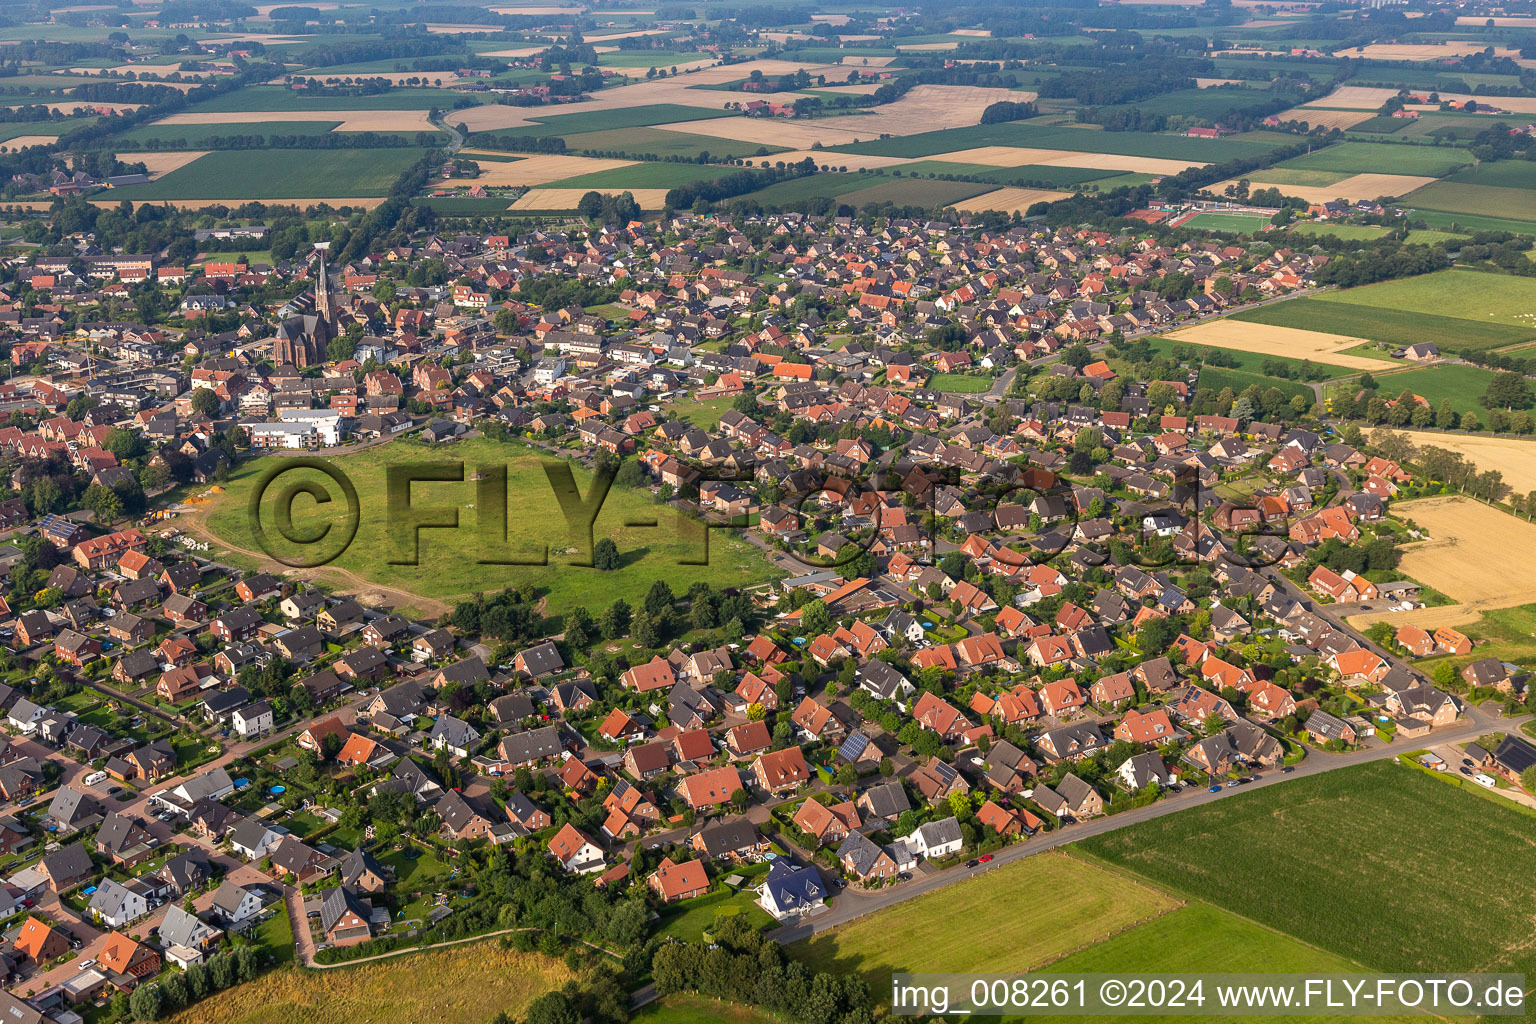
[(275, 934), (959, 383), (1337, 313), (1349, 231), (704, 415), (701, 1010), (690, 919), (466, 984), (1462, 385), (1376, 157), (1031, 912), (1218, 377), (454, 563), (239, 175), (1355, 845)]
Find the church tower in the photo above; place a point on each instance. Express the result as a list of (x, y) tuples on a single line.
[(323, 292)]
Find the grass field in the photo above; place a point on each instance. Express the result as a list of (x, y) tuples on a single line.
[(1031, 912), (277, 98), (606, 120), (1245, 223), (1371, 157), (1084, 140), (1468, 294), (644, 141), (197, 136), (648, 175), (1366, 839), (813, 186), (466, 984), (959, 383), (1462, 385), (704, 415), (917, 192), (1337, 230), (701, 1010), (1481, 200), (1335, 315), (449, 566), (1218, 377), (279, 174), (1500, 173)]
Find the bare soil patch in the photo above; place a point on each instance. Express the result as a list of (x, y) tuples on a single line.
[(1268, 340), (567, 198), (162, 163)]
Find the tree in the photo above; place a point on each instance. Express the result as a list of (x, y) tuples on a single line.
[(204, 401), (815, 618), (1528, 779), (605, 556), (146, 1002), (579, 628), (553, 1007), (615, 620), (1507, 391)]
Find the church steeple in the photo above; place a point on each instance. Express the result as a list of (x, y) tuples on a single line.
[(323, 290)]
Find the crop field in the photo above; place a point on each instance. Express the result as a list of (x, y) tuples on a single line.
[(644, 175), (449, 564), (535, 169), (1380, 821), (277, 99), (1371, 157), (1264, 339), (1466, 537), (1218, 377), (466, 984), (560, 199), (608, 120), (1513, 457), (239, 175), (197, 136), (1500, 173), (253, 122), (1015, 157), (1335, 315), (1345, 186), (1252, 362), (1466, 294), (1483, 200), (813, 186), (1344, 120), (1032, 911)]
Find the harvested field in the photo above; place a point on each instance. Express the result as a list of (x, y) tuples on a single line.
[(1365, 97), (161, 163), (515, 52), (567, 198), (1466, 540), (347, 120), (444, 79), (848, 160), (1422, 51), (1006, 200), (1508, 21), (1356, 186), (1010, 156), (1340, 119), (1265, 339), (68, 108), (536, 169), (23, 141), (1513, 457)]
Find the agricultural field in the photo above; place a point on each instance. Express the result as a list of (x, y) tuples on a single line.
[(449, 566), (1218, 377), (1462, 386), (1371, 157), (1265, 339), (1465, 294), (466, 984), (1466, 537), (657, 142), (277, 99), (1033, 911), (644, 175), (1481, 200), (1079, 140), (1253, 362), (928, 192), (610, 120), (1395, 825), (1334, 313), (241, 175), (1513, 457)]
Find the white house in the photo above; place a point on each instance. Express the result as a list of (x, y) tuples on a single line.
[(234, 903), (936, 839), (115, 905), (790, 892), (1141, 769), (253, 719), (253, 839), (25, 715), (327, 426)]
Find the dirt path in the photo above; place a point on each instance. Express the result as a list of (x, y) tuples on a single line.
[(371, 592)]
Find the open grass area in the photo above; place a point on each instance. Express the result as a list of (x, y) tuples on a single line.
[(690, 919), (466, 984), (279, 174), (1468, 294), (1365, 839), (1218, 377), (702, 414), (960, 383), (1480, 200), (701, 1010), (1337, 313), (1501, 173), (450, 565), (1030, 912), (1310, 227), (1375, 157)]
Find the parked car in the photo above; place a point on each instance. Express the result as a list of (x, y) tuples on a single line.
[(972, 863), (1215, 788), (984, 858)]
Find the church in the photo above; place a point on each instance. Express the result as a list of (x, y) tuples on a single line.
[(303, 340)]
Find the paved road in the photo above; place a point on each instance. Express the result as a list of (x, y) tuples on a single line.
[(854, 904)]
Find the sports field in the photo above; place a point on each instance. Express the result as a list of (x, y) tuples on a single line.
[(1266, 339), (450, 566), (1336, 313), (1032, 912), (1381, 822), (1466, 540), (240, 175), (1244, 223)]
